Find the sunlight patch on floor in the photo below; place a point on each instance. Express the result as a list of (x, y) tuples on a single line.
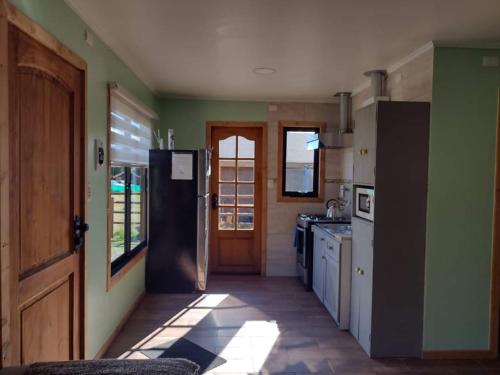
[(177, 326), (262, 333)]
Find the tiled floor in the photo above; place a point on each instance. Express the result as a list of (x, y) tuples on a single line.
[(267, 326)]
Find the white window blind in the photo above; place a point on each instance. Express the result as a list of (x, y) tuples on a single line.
[(131, 126)]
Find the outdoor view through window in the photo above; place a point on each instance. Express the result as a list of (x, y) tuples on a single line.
[(127, 189), (236, 183), (300, 169)]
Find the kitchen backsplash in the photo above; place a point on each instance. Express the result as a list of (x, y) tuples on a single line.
[(281, 216)]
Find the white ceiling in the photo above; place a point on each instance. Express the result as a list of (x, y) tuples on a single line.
[(208, 48)]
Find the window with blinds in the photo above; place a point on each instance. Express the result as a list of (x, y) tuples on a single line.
[(130, 132), (130, 139)]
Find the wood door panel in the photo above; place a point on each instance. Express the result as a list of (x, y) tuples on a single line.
[(236, 223), (236, 252), (32, 55), (45, 171), (46, 326), (47, 177)]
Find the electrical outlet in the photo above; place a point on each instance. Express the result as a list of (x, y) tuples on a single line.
[(491, 61)]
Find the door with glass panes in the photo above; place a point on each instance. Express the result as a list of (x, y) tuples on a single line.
[(236, 200)]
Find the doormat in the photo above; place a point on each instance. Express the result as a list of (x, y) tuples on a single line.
[(183, 348)]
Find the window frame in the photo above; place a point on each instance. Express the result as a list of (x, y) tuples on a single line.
[(318, 194), (118, 268), (119, 263)]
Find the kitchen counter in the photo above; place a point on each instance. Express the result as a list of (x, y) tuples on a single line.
[(338, 231), (332, 269)]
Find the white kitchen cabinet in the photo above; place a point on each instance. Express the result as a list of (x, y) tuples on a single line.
[(318, 265), (362, 274), (332, 277), (332, 274), (365, 146)]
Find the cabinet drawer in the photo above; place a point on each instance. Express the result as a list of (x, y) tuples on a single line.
[(333, 249)]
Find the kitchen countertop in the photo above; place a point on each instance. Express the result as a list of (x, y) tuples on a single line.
[(337, 231)]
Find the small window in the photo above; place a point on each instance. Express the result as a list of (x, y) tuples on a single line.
[(299, 169), (130, 138)]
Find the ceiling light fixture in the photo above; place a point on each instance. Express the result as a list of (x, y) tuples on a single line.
[(264, 71)]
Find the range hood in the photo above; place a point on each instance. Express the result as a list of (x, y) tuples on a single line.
[(343, 138)]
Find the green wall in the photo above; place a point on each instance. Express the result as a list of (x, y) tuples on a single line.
[(460, 202), (188, 117), (104, 309)]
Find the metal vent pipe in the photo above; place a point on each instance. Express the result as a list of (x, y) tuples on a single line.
[(345, 111), (377, 79)]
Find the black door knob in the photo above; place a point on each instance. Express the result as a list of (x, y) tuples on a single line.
[(79, 228), (215, 200)]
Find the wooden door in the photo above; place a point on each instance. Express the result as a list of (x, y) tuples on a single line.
[(236, 200), (47, 148), (365, 145)]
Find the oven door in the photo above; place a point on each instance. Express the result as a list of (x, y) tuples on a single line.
[(364, 202)]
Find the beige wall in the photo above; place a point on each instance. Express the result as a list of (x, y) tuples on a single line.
[(410, 82), (281, 216)]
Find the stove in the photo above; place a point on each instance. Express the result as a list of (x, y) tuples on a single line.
[(305, 220), (304, 243)]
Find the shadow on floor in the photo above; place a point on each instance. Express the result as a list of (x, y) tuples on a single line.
[(263, 325)]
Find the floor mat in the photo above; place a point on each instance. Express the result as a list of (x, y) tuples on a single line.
[(183, 348)]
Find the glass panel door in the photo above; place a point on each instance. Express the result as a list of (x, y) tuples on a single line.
[(236, 183)]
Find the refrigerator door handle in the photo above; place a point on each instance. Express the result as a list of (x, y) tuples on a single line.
[(215, 200)]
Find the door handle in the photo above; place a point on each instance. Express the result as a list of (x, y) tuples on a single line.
[(214, 200), (79, 228)]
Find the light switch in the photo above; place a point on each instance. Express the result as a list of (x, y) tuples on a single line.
[(89, 38), (98, 154)]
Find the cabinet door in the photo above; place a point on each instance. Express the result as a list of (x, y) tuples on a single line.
[(318, 266), (332, 283), (365, 145), (355, 282), (363, 266)]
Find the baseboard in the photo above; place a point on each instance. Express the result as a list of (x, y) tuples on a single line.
[(457, 354), (120, 326)]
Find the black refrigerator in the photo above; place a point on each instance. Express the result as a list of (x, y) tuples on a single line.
[(177, 258)]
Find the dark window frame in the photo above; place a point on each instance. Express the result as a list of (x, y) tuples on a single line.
[(130, 253), (316, 173)]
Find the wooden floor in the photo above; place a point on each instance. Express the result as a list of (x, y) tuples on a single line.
[(266, 326)]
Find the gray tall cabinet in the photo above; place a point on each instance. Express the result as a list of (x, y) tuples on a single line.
[(391, 144)]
